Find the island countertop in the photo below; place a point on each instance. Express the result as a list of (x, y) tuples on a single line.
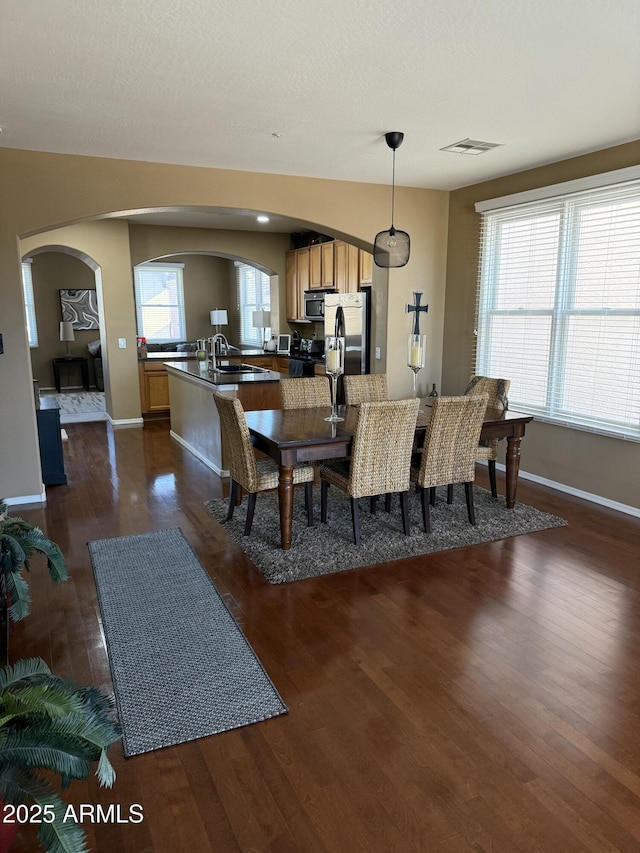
[(191, 369), (195, 423)]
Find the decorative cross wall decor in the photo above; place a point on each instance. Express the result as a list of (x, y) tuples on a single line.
[(417, 309)]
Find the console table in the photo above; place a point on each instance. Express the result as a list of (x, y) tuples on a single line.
[(50, 441), (69, 362)]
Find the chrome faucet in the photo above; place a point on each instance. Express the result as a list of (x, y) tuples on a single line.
[(213, 343)]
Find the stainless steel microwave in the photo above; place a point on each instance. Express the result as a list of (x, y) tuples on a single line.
[(314, 304)]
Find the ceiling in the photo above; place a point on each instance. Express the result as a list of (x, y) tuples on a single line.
[(306, 88)]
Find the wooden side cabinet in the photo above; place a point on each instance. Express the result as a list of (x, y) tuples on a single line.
[(154, 387), (50, 442)]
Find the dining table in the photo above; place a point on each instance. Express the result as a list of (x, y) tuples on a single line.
[(291, 436)]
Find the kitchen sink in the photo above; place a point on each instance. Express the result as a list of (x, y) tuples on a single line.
[(240, 368)]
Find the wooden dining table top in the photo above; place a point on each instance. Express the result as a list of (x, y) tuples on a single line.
[(291, 436), (289, 427)]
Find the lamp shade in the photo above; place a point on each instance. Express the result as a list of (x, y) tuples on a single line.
[(219, 317), (66, 331), (261, 319)]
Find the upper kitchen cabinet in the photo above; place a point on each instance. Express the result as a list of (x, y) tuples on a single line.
[(345, 270), (296, 282), (334, 264), (321, 265), (365, 260)]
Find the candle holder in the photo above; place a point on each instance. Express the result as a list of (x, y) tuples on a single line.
[(334, 367), (416, 350)]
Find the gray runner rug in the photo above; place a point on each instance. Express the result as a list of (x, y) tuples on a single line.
[(327, 548), (182, 668)]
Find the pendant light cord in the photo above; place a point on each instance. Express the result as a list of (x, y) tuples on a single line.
[(393, 188)]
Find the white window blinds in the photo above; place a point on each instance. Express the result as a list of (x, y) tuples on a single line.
[(559, 306), (253, 289), (159, 296), (29, 303)]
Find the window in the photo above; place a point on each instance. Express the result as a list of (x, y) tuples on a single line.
[(29, 303), (160, 302), (253, 294), (559, 305)]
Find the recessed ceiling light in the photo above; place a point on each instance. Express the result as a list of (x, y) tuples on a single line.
[(471, 146), (262, 218)]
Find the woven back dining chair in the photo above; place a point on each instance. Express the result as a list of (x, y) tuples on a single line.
[(380, 459), (449, 450), (248, 473), (305, 392), (497, 391), (365, 388)]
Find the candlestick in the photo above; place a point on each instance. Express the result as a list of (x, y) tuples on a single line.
[(334, 366), (416, 350)]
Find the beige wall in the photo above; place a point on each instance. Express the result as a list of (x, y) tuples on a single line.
[(43, 191), (581, 460), (51, 272), (264, 250)]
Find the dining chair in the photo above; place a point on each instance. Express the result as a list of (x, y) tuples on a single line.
[(365, 388), (307, 392), (380, 460), (450, 449), (497, 390), (246, 471)]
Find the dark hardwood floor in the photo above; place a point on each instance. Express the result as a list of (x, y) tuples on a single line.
[(484, 699)]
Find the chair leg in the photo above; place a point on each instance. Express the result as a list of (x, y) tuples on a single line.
[(373, 504), (450, 493), (233, 490), (432, 495), (324, 488), (404, 509), (251, 505), (426, 521), (355, 518), (468, 493), (492, 478), (387, 502), (308, 500)]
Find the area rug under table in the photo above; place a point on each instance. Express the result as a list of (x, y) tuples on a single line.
[(182, 668), (327, 548)]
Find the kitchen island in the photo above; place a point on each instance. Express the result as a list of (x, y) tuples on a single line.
[(194, 417)]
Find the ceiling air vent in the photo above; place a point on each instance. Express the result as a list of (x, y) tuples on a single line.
[(471, 146)]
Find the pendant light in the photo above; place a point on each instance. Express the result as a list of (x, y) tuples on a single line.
[(391, 248)]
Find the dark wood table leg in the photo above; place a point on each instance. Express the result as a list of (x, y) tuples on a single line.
[(285, 502), (513, 467), (56, 375)]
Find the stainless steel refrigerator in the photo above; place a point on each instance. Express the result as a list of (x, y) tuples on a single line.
[(356, 310)]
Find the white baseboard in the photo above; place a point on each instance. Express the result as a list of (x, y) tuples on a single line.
[(28, 500), (577, 493), (219, 471), (125, 423)]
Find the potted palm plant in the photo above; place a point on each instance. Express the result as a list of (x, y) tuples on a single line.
[(19, 541), (48, 723)]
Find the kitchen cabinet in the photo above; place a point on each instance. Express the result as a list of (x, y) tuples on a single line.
[(346, 270), (334, 264), (154, 387), (365, 267), (296, 282), (321, 265)]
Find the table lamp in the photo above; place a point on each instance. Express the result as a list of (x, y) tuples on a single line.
[(67, 335), (262, 320), (218, 318)]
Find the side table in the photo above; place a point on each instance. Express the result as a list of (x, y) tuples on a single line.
[(50, 441), (76, 359)]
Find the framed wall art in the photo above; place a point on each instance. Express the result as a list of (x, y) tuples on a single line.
[(80, 307)]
